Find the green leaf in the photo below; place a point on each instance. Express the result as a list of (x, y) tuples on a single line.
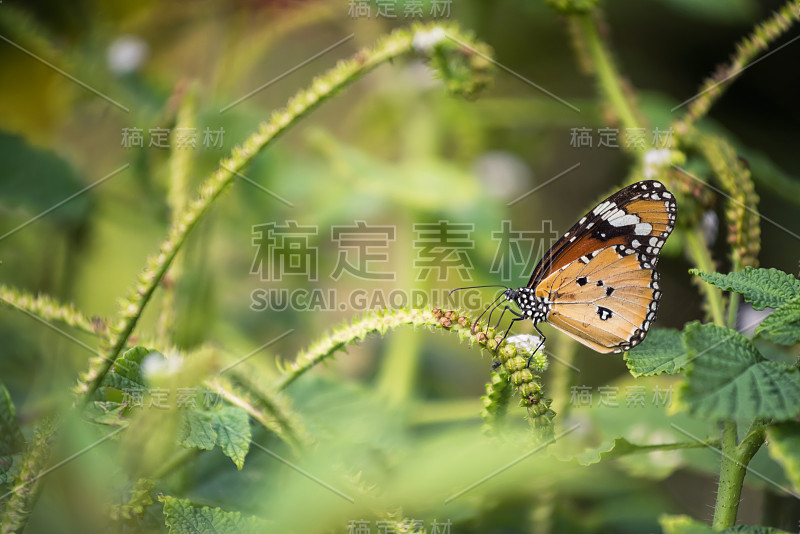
[(232, 425), (197, 430), (662, 351), (783, 325), (106, 413), (784, 448), (729, 379), (126, 375), (228, 427), (716, 11), (36, 180), (754, 529), (129, 365), (619, 447), (7, 471), (11, 439), (763, 288), (683, 524), (182, 517)]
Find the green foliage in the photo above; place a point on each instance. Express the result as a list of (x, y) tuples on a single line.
[(227, 427), (716, 10), (784, 447), (741, 213), (572, 7), (48, 308), (183, 517), (729, 379), (11, 439), (27, 480), (783, 325), (726, 377), (754, 529), (662, 351), (763, 288), (141, 497), (197, 430), (619, 447), (398, 43), (38, 179), (495, 402), (681, 524), (7, 473), (126, 375)]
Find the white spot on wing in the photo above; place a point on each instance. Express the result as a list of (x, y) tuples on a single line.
[(625, 220)]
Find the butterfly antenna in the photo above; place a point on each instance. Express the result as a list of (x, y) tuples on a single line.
[(475, 287)]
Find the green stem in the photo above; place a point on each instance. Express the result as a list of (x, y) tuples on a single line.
[(49, 309), (675, 446), (701, 257), (561, 375), (180, 165), (733, 309), (397, 377), (608, 78), (179, 459), (732, 472)]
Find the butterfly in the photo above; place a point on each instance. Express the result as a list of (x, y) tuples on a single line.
[(598, 284)]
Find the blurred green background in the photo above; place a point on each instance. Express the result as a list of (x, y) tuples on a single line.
[(394, 149)]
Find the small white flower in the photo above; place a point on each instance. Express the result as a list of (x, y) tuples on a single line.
[(503, 173), (126, 54), (156, 364), (424, 41), (655, 161), (710, 227), (525, 343)]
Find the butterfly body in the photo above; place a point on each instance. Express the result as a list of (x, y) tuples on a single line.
[(598, 284)]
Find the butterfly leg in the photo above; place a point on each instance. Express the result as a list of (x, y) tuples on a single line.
[(491, 312), (495, 363), (518, 317), (541, 336)]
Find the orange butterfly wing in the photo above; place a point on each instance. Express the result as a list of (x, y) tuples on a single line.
[(600, 280)]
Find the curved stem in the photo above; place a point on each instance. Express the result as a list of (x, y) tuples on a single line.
[(49, 309), (520, 376), (701, 257)]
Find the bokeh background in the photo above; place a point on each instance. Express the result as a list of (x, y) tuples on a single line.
[(392, 150)]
